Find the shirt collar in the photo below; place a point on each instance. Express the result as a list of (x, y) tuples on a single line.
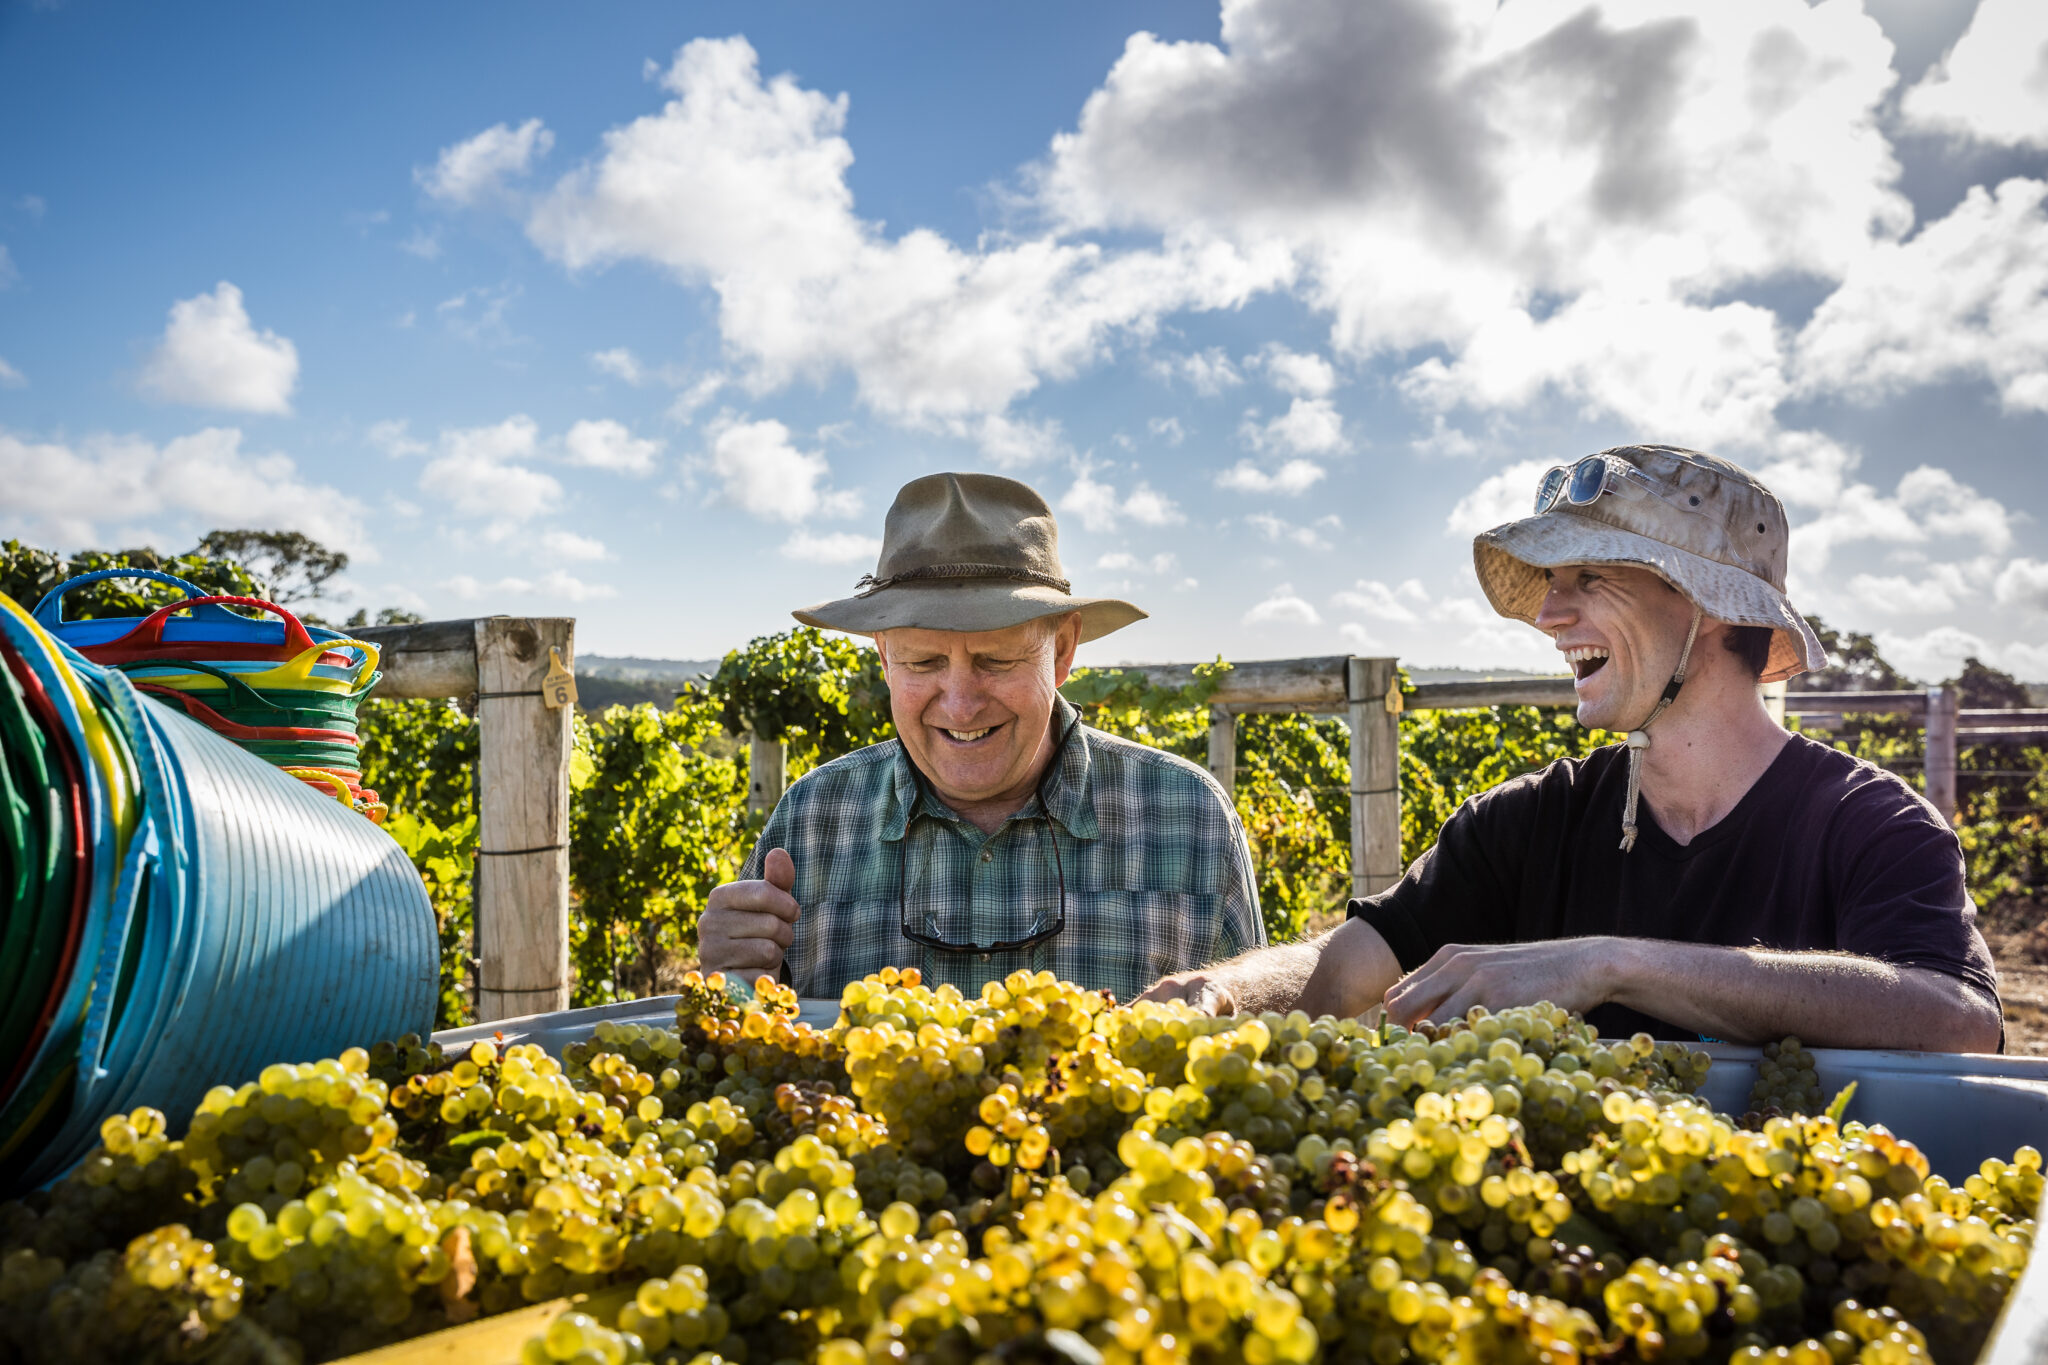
[(1067, 796)]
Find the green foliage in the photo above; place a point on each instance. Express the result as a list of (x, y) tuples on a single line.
[(656, 820), (27, 573), (1126, 702), (822, 695), (1448, 756), (446, 858), (420, 756), (2005, 837), (1294, 797)]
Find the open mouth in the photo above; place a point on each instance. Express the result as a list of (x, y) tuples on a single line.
[(1586, 660), (969, 736)]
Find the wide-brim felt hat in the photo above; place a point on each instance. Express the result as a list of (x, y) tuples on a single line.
[(1705, 526), (967, 552)]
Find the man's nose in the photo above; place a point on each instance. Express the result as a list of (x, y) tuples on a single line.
[(960, 697), (1556, 611)]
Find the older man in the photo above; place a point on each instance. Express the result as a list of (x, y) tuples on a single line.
[(1713, 876), (995, 832)]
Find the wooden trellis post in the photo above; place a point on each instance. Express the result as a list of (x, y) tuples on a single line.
[(1223, 747), (767, 772), (521, 888), (1375, 775), (1942, 705)]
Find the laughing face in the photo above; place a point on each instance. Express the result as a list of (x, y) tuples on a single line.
[(975, 710), (1621, 629)]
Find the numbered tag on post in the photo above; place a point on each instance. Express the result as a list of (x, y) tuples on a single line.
[(558, 688)]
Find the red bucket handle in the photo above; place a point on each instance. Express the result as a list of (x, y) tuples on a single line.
[(150, 630)]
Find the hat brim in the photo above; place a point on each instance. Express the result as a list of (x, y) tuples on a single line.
[(1511, 561), (966, 605)]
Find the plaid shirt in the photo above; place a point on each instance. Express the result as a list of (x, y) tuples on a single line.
[(1158, 874)]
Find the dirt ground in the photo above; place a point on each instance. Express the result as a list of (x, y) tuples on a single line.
[(2022, 957)]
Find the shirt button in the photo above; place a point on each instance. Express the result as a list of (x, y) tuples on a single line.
[(988, 855)]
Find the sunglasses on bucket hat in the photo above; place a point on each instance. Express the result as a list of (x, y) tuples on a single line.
[(1583, 482)]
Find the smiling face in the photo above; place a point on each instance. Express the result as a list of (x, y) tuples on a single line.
[(1621, 629), (975, 709)]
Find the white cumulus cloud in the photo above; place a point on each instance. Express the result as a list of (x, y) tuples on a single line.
[(476, 169), (763, 472), (11, 378), (834, 547), (1293, 477), (212, 356), (1533, 188), (1966, 296), (620, 363), (739, 183), (1283, 606), (1304, 376), (1101, 508), (481, 471), (1310, 537), (1376, 601), (61, 493), (569, 545), (1501, 497), (1310, 426), (2023, 583), (1208, 372), (605, 444), (556, 586), (1993, 85)]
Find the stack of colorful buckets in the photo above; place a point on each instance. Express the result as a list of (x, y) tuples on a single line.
[(286, 692), (177, 912)]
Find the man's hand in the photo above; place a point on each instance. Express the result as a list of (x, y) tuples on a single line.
[(1200, 989), (747, 926), (1575, 973)]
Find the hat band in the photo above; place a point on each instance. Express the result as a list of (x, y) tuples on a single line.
[(870, 585)]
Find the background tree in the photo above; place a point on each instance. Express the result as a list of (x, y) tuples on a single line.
[(1983, 686), (1854, 664), (27, 572), (291, 567)]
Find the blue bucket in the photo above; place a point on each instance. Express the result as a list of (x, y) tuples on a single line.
[(208, 622), (271, 923)]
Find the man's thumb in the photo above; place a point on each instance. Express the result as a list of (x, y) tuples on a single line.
[(1216, 1000), (779, 869)]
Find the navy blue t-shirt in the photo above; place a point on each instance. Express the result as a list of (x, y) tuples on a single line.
[(1825, 851)]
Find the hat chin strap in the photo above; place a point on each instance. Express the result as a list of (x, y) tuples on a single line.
[(1639, 738)]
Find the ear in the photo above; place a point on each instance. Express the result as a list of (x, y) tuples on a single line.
[(1066, 639)]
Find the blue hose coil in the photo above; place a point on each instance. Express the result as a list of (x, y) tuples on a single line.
[(272, 924)]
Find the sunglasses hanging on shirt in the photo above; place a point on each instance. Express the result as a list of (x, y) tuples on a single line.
[(985, 950)]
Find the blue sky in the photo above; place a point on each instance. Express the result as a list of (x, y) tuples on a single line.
[(640, 313)]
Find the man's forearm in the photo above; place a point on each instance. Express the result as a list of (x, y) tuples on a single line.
[(1269, 978), (1828, 999)]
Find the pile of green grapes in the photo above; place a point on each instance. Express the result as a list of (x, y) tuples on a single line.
[(1032, 1175)]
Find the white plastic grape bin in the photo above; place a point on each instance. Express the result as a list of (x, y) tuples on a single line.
[(1956, 1109)]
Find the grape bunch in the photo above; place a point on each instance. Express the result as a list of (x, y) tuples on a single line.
[(1031, 1174), (1787, 1083)]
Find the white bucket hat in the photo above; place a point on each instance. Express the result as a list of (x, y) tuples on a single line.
[(967, 552), (1703, 525)]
